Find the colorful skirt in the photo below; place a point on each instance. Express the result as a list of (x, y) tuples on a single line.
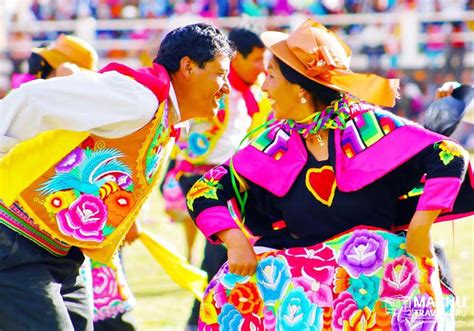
[(360, 280)]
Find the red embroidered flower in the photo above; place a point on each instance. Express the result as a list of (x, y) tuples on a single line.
[(246, 298)]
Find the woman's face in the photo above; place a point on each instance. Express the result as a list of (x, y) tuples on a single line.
[(284, 96)]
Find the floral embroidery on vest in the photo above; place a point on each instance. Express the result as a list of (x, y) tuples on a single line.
[(98, 187), (89, 193)]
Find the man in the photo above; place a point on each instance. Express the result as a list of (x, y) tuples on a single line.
[(212, 142), (113, 302), (78, 156)]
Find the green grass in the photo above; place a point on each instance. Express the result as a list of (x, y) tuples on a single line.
[(163, 306)]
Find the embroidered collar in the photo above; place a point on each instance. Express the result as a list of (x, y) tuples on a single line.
[(334, 116)]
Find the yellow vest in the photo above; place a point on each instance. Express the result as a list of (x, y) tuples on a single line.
[(91, 197)]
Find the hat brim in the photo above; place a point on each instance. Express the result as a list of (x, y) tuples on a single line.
[(275, 41), (52, 56)]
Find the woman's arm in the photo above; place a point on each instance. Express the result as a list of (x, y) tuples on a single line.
[(445, 165), (418, 236), (207, 203)]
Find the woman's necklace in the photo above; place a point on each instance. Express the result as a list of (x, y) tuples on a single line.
[(334, 116), (320, 139)]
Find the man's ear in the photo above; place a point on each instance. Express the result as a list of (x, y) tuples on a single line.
[(186, 66)]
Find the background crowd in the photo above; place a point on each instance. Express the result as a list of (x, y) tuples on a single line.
[(447, 46)]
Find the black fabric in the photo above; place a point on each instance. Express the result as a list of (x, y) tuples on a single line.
[(39, 291), (308, 221), (186, 182), (122, 322)]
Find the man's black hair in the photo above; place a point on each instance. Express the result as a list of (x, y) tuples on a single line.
[(245, 41), (320, 94), (200, 42)]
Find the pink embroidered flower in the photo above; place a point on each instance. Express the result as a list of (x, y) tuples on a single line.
[(71, 160), (343, 308), (220, 295), (316, 262), (106, 290), (269, 319), (399, 278), (84, 219), (317, 291), (206, 327), (216, 173), (252, 322)]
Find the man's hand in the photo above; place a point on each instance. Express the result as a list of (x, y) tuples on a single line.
[(133, 233), (446, 90), (67, 69)]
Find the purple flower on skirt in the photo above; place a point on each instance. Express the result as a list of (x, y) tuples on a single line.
[(416, 315), (363, 253), (71, 160)]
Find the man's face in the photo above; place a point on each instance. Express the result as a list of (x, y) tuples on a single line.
[(208, 85), (248, 68)]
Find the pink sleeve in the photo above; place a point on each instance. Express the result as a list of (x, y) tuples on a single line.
[(439, 193), (213, 220)]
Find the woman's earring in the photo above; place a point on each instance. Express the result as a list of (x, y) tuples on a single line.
[(303, 100)]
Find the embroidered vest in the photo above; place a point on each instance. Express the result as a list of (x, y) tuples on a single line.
[(91, 197)]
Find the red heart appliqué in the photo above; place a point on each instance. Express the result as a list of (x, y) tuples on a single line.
[(321, 182)]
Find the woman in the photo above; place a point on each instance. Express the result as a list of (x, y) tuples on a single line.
[(322, 192)]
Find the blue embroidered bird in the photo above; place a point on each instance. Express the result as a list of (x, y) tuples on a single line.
[(96, 169)]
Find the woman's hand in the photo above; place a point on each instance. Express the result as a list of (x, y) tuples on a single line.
[(241, 256), (418, 241)]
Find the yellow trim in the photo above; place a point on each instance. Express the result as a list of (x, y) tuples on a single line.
[(315, 194), (30, 159)]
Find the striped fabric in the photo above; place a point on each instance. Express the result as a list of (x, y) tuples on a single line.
[(17, 220), (366, 129)]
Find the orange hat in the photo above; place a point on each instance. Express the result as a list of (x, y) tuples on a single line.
[(320, 55), (69, 49)]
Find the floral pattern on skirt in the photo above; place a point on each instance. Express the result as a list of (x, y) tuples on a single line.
[(360, 280)]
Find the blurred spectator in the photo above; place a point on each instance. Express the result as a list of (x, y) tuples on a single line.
[(435, 44), (456, 51), (392, 45), (374, 36), (19, 50)]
